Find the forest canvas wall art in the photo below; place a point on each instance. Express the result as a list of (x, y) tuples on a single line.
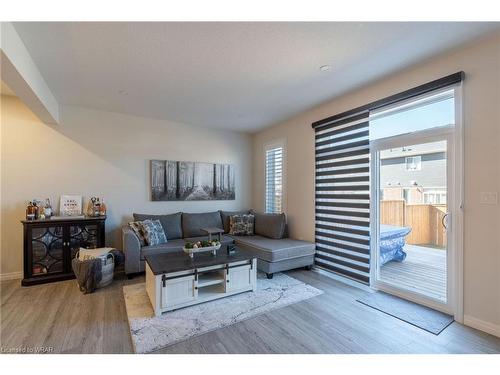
[(185, 180)]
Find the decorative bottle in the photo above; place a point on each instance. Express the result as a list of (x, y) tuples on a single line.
[(97, 206), (30, 211), (102, 208), (47, 210), (36, 209)]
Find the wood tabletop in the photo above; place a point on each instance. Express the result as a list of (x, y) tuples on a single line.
[(59, 219), (180, 261)]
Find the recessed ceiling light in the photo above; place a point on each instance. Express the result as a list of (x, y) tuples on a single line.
[(325, 68), (123, 92)]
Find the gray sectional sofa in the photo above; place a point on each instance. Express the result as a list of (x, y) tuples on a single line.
[(275, 252)]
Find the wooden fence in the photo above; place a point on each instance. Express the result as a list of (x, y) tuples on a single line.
[(425, 221)]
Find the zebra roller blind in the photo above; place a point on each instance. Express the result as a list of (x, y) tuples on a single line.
[(343, 197), (274, 179), (343, 183)]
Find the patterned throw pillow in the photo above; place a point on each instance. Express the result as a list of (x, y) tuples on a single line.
[(241, 225), (153, 232), (138, 229)]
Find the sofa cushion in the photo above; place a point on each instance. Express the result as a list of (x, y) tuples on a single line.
[(192, 223), (169, 247), (273, 250), (270, 225), (226, 216), (171, 223)]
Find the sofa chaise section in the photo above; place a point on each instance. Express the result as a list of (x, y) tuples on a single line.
[(276, 255)]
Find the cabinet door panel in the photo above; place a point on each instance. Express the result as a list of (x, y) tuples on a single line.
[(177, 291), (47, 250), (238, 278), (83, 235)]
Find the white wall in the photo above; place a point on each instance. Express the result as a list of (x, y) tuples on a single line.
[(103, 154), (23, 77), (481, 63)]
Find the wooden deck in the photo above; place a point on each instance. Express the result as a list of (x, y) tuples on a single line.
[(423, 271)]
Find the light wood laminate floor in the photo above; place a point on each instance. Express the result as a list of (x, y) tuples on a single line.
[(57, 315)]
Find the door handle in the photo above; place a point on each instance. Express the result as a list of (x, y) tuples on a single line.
[(444, 221)]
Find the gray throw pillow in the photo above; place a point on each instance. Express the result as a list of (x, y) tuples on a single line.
[(270, 225), (241, 225), (153, 232), (171, 223)]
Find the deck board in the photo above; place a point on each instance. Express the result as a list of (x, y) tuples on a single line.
[(423, 271)]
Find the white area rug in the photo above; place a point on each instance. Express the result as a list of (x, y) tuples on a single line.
[(150, 333)]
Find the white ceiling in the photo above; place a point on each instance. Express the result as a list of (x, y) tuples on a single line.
[(240, 76)]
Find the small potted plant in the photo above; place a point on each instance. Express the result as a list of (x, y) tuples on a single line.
[(201, 246)]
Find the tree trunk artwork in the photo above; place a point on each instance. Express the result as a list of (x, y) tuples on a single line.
[(182, 180)]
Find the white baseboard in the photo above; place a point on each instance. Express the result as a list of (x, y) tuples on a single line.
[(482, 325), (11, 276)]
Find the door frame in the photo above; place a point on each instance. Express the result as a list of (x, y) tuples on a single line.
[(455, 176)]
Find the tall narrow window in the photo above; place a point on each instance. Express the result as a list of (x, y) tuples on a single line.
[(274, 177)]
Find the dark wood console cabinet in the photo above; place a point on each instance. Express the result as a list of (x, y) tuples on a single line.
[(50, 245)]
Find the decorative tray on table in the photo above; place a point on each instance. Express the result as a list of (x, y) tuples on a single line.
[(191, 248)]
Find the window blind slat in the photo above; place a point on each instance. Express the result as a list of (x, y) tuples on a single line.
[(343, 229), (342, 180), (364, 133), (364, 142), (356, 276)]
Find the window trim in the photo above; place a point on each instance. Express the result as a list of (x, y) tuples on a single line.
[(275, 143)]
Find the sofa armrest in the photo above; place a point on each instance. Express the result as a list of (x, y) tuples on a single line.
[(132, 250)]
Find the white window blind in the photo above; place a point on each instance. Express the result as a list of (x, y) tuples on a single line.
[(274, 179)]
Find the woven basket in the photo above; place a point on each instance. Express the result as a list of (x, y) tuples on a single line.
[(107, 269)]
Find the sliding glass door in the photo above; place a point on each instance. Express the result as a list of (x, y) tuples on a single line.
[(413, 200), (389, 190)]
